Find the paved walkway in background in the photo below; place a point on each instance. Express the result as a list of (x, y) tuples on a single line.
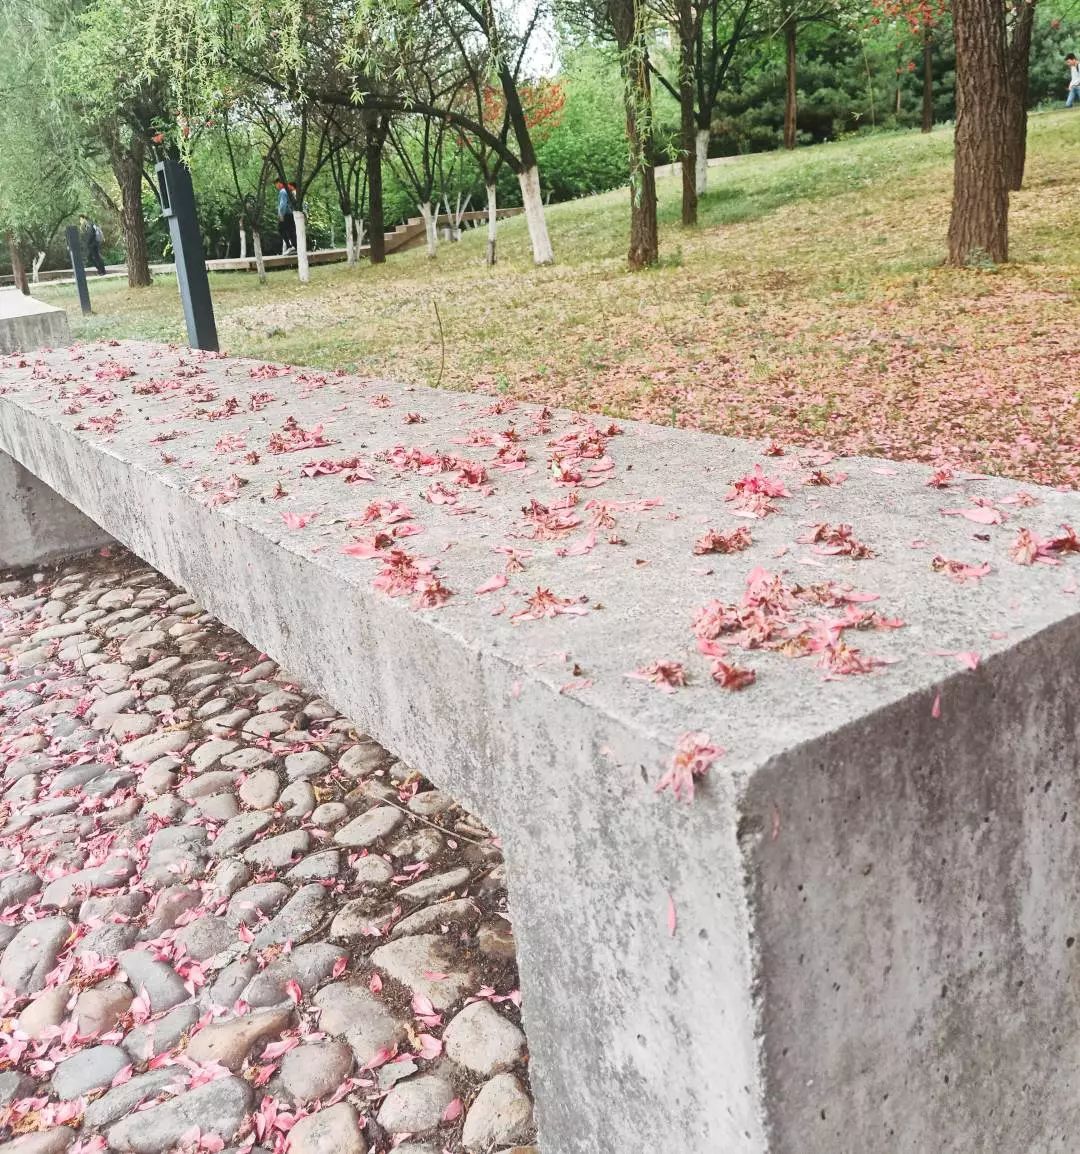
[(227, 919)]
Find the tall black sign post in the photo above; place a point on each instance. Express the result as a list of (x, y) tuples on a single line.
[(74, 243), (178, 207)]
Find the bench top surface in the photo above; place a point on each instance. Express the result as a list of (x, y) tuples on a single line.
[(489, 501), (14, 304)]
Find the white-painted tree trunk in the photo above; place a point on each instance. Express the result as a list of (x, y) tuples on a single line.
[(492, 221), (350, 241), (431, 230), (533, 200), (35, 268), (243, 240), (303, 271), (358, 224), (702, 170), (256, 248)]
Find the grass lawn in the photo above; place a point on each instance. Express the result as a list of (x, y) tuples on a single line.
[(810, 305)]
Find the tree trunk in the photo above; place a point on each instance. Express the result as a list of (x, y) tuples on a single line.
[(39, 260), (628, 20), (127, 166), (358, 225), (243, 240), (1018, 57), (644, 231), (927, 79), (687, 122), (492, 222), (701, 167), (791, 103), (533, 200), (302, 268), (979, 225), (431, 228), (256, 246), (350, 240), (18, 268), (529, 176), (377, 251)]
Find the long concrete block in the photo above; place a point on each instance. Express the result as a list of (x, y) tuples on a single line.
[(860, 936), (27, 324)]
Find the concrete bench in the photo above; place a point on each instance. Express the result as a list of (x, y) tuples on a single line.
[(27, 324), (859, 935)]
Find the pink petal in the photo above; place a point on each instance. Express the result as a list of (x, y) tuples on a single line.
[(981, 515), (499, 581)]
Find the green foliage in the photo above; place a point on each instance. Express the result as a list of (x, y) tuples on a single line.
[(849, 80), (1056, 34), (39, 191), (586, 150)]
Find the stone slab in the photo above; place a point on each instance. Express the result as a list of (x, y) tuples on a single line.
[(27, 324), (858, 936)]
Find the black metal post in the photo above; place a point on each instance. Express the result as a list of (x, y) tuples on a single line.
[(74, 243), (178, 207)]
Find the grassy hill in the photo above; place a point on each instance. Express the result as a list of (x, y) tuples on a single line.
[(810, 305)]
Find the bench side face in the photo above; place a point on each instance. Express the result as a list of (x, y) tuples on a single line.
[(916, 917), (38, 525)]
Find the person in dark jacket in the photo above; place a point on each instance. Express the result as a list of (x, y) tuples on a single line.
[(92, 238), (286, 224)]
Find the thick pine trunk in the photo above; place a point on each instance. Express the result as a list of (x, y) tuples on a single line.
[(127, 165), (256, 247), (18, 267), (701, 168), (303, 270), (688, 130), (377, 251), (492, 222), (979, 225), (533, 200), (927, 79), (350, 240), (431, 228), (791, 101), (1018, 56)]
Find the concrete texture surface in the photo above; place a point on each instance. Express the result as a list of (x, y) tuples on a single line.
[(27, 324), (37, 524), (859, 936)]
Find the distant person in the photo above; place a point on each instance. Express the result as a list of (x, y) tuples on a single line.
[(92, 239), (1074, 80), (286, 224)]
